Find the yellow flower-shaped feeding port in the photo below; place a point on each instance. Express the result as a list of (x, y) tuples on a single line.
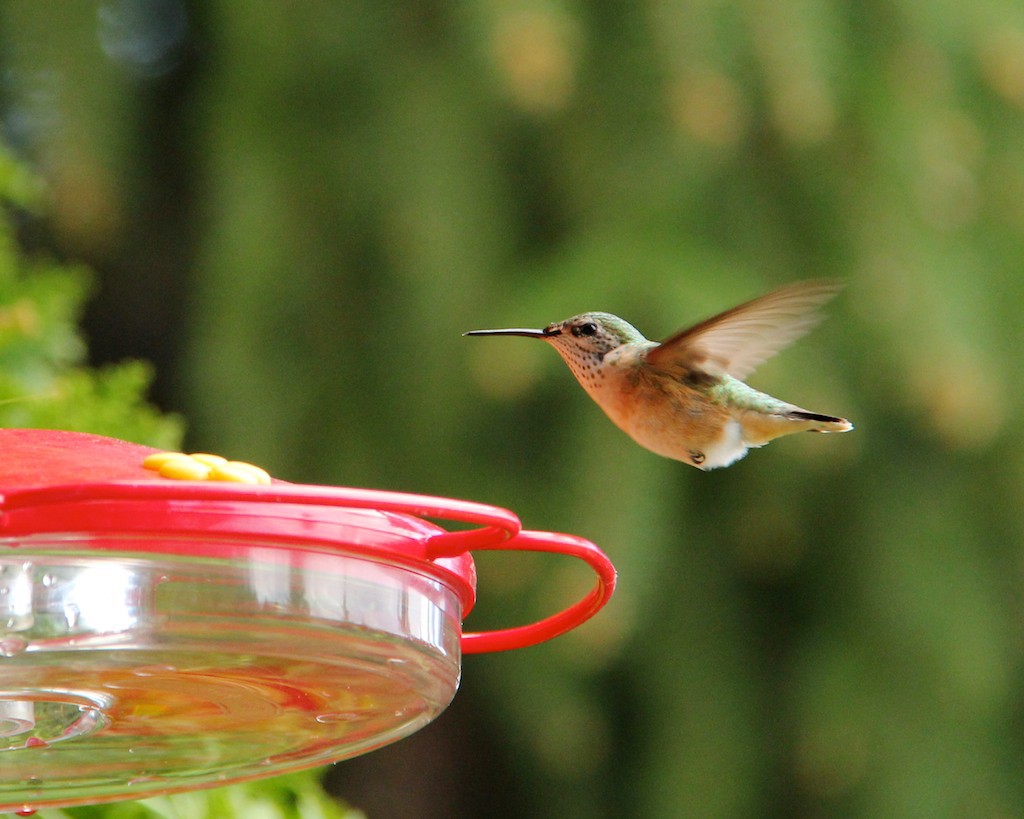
[(201, 466)]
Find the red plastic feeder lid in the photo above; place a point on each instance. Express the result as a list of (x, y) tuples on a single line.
[(54, 481), (159, 634)]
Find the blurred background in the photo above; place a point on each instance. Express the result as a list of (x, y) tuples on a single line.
[(294, 210)]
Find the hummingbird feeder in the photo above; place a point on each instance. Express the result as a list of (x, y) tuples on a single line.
[(161, 635)]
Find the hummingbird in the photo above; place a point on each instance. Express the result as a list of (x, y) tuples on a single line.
[(685, 398)]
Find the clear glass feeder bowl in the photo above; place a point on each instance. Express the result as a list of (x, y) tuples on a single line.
[(145, 675)]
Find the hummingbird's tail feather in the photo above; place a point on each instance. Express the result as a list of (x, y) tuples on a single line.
[(760, 427), (823, 423)]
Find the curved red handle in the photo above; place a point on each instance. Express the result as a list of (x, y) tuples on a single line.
[(563, 621)]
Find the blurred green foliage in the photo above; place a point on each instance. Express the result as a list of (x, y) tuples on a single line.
[(296, 796), (44, 382), (832, 627)]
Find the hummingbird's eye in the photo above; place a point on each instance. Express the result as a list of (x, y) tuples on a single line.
[(586, 329)]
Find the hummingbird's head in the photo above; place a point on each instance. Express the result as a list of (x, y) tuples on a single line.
[(590, 335), (582, 341)]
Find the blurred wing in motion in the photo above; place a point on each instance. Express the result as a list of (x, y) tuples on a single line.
[(737, 341)]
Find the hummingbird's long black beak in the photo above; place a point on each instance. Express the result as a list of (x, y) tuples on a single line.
[(516, 331)]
